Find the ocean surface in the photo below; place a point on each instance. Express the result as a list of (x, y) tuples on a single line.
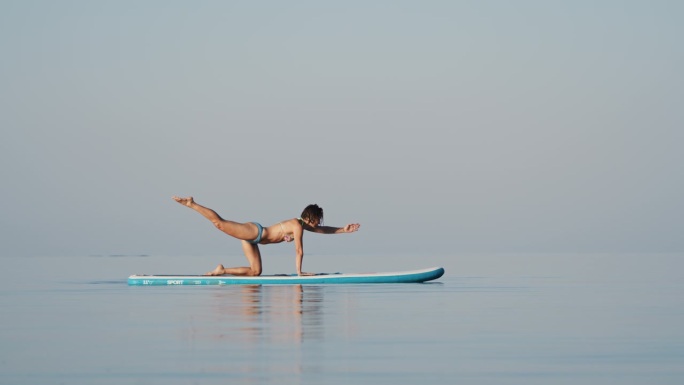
[(491, 319)]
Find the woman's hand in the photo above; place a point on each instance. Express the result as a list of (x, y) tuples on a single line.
[(351, 228)]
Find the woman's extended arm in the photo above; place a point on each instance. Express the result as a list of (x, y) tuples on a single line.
[(299, 234), (334, 230)]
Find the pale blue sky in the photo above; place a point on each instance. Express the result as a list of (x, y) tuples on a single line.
[(441, 126)]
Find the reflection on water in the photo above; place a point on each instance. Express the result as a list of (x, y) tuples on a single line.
[(259, 329), (256, 314)]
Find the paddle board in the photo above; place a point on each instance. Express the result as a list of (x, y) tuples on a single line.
[(413, 276)]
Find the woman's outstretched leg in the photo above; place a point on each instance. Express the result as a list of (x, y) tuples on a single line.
[(243, 231)]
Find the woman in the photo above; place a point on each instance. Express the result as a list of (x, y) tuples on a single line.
[(252, 234)]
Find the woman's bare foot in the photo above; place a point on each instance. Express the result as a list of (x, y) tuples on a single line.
[(184, 201), (219, 270)]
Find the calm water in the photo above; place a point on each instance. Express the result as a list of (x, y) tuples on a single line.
[(492, 319)]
